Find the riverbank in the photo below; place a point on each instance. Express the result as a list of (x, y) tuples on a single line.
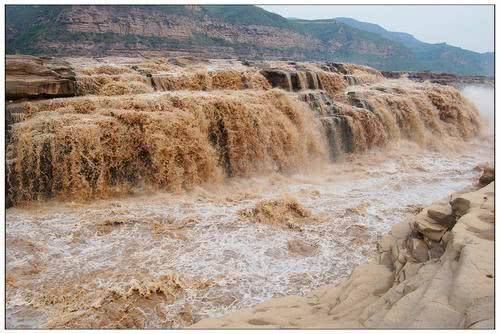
[(435, 271)]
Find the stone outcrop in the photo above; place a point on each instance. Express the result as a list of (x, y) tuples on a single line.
[(292, 80), (435, 271), (488, 176), (441, 78), (30, 77)]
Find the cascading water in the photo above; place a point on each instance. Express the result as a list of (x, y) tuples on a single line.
[(88, 147), (246, 178)]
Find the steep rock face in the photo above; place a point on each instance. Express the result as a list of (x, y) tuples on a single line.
[(38, 77), (221, 32), (168, 24), (417, 280)]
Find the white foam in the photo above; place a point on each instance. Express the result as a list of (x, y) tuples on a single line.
[(249, 262)]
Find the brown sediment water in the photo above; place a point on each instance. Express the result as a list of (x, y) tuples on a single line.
[(286, 212), (214, 186), (88, 147), (74, 254), (210, 81), (103, 84)]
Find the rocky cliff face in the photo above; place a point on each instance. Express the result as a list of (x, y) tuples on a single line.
[(150, 23), (211, 31), (437, 271)]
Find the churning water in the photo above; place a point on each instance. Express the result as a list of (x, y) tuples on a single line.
[(168, 259)]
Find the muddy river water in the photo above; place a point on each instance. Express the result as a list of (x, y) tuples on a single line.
[(61, 256)]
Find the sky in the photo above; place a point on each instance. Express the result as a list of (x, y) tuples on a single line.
[(469, 27)]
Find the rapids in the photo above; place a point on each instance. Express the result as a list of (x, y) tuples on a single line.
[(71, 250), (162, 208)]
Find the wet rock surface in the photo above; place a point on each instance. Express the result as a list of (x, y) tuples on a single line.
[(29, 77), (441, 78), (488, 176)]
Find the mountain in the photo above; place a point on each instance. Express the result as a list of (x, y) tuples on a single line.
[(224, 31), (401, 37), (437, 57)]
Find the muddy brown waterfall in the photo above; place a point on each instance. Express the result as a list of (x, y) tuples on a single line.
[(212, 166), (97, 145)]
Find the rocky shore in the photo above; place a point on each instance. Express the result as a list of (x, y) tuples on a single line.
[(435, 271)]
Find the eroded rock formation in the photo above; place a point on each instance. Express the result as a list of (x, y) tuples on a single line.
[(30, 77)]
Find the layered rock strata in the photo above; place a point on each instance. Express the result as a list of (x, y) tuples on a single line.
[(29, 77), (441, 78)]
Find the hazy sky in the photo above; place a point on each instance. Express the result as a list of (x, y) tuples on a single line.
[(469, 27)]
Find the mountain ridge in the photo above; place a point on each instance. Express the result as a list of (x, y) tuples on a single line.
[(225, 31)]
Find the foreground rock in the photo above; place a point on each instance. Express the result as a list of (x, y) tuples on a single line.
[(434, 272), (30, 77)]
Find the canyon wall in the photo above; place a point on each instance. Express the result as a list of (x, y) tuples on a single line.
[(215, 31)]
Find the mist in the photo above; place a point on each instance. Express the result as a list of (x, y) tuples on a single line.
[(483, 98)]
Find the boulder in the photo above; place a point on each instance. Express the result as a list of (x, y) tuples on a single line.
[(436, 251), (418, 250), (278, 78), (400, 230), (29, 77), (442, 214), (429, 227), (487, 177), (482, 198), (460, 206), (386, 243)]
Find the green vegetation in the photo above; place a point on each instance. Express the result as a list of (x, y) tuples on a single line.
[(32, 28), (247, 15)]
